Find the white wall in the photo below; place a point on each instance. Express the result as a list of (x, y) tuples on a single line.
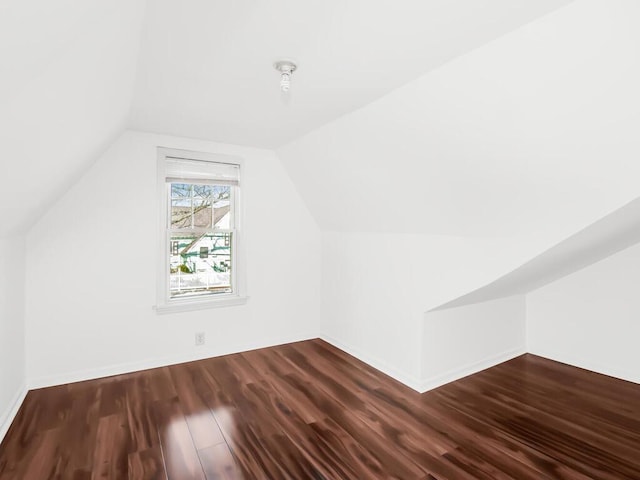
[(12, 338), (591, 318), (376, 288), (91, 270), (530, 137), (464, 340)]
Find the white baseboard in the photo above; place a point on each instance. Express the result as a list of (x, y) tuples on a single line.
[(408, 380), (469, 369), (12, 410), (427, 384), (401, 376), (199, 354), (608, 370)]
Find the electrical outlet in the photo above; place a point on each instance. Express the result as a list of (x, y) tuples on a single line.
[(199, 338)]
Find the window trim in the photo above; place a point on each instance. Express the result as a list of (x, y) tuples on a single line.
[(164, 302)]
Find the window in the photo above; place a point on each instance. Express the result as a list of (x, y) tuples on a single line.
[(200, 239)]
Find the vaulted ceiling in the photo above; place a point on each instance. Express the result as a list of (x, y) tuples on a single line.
[(532, 135), (205, 66), (478, 118), (66, 83)]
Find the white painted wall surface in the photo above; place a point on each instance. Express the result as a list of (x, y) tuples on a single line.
[(464, 340), (530, 137), (12, 337), (91, 270), (376, 288), (591, 318)]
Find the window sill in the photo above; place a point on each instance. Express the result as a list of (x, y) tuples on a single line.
[(189, 305)]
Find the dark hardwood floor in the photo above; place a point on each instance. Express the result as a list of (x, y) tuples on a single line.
[(309, 411)]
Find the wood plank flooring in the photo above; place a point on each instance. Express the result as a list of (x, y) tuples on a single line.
[(309, 411)]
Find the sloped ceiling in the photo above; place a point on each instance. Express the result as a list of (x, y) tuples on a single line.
[(609, 235), (202, 68), (67, 76), (512, 122), (533, 134), (206, 66)]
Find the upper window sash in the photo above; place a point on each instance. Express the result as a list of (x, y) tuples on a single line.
[(211, 214)]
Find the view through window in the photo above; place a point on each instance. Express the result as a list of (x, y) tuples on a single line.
[(200, 239)]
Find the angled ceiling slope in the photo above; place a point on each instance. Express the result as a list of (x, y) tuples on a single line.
[(68, 71), (69, 68), (205, 68), (534, 134), (609, 235)]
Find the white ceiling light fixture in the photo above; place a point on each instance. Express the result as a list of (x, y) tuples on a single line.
[(286, 69)]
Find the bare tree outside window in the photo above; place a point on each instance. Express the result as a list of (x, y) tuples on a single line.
[(201, 240)]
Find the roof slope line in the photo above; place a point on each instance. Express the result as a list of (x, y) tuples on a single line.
[(611, 234)]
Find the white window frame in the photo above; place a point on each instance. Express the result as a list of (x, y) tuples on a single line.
[(164, 302)]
